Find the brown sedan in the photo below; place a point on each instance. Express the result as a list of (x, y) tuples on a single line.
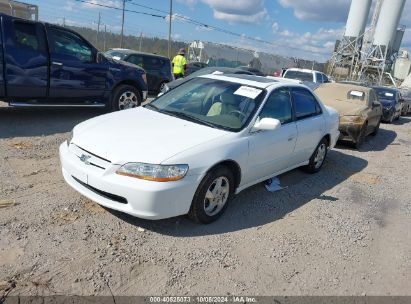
[(358, 106)]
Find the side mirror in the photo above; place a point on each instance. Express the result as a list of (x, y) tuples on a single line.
[(375, 104), (100, 57), (267, 124)]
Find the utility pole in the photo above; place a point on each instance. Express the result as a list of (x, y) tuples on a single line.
[(105, 33), (141, 37), (169, 29), (98, 28), (122, 25), (64, 21)]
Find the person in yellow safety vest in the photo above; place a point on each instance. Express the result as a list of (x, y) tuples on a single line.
[(179, 64)]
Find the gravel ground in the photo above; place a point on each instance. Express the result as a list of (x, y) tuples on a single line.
[(343, 231)]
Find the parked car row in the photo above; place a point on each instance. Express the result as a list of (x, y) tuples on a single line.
[(361, 107)]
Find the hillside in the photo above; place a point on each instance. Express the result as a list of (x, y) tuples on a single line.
[(148, 44)]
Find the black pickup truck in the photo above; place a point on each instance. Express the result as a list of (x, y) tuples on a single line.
[(47, 65)]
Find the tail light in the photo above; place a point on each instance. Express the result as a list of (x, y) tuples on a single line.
[(144, 77)]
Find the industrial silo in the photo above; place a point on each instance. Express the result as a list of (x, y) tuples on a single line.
[(402, 65), (388, 20), (357, 18)]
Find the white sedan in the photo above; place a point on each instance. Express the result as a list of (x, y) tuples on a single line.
[(192, 149)]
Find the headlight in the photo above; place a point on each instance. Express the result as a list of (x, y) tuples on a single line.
[(351, 119), (158, 173), (165, 88)]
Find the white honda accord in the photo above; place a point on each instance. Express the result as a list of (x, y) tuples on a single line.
[(193, 148)]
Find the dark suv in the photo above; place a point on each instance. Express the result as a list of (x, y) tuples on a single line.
[(158, 68)]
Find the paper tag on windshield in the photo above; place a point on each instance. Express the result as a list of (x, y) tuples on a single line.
[(217, 73), (116, 57), (248, 92), (357, 93), (389, 94)]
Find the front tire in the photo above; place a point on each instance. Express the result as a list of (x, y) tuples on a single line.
[(125, 97), (318, 157), (212, 196), (361, 137), (377, 128)]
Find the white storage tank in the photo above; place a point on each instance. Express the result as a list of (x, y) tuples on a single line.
[(388, 20), (402, 65), (357, 18)]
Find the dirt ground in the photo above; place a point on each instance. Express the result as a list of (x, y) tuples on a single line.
[(343, 231)]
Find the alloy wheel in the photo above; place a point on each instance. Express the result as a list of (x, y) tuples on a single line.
[(216, 196), (320, 155), (127, 100)]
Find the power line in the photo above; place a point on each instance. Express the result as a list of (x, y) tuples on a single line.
[(195, 22), (120, 9)]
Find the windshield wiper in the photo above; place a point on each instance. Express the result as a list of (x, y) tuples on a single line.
[(189, 118), (152, 106)]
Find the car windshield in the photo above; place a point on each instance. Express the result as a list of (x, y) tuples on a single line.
[(385, 94), (303, 76), (215, 103), (116, 55)]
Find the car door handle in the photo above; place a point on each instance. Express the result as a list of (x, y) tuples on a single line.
[(57, 63), (290, 138)]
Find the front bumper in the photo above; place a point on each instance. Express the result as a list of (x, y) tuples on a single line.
[(140, 198), (350, 131), (387, 114)]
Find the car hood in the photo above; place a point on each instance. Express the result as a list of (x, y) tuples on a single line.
[(141, 135), (344, 107), (387, 102)]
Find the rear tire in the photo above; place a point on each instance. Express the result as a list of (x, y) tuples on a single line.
[(125, 97), (317, 158), (212, 196)]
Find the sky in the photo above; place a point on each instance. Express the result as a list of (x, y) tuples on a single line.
[(298, 28)]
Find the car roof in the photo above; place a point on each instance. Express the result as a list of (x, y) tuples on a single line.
[(128, 51), (252, 80)]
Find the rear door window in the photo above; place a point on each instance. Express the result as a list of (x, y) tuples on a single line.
[(152, 63), (29, 36), (69, 45), (305, 103), (136, 59)]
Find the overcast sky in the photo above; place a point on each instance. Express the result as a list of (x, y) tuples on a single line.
[(304, 28)]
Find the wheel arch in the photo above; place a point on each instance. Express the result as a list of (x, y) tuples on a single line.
[(328, 138), (233, 166), (130, 82)]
